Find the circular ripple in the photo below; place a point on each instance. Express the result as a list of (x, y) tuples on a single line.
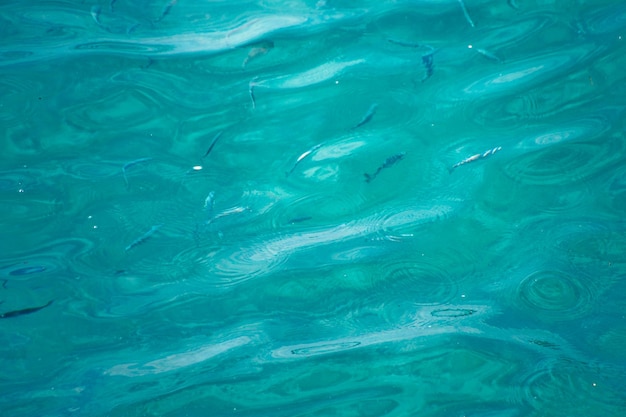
[(516, 77), (314, 209), (608, 19), (563, 164), (611, 343), (19, 107), (125, 109), (423, 282), (553, 295), (581, 389), (44, 262), (231, 267)]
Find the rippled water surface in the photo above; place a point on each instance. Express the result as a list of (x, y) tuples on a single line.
[(313, 208)]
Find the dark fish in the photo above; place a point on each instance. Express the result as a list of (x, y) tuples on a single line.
[(299, 219), (428, 60), (130, 164), (111, 4), (388, 162), (368, 116), (513, 4), (215, 139), (16, 313), (167, 9), (141, 239), (28, 270), (132, 28), (403, 43)]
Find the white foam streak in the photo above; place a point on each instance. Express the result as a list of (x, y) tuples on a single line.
[(178, 360)]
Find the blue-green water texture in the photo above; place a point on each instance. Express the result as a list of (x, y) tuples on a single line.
[(290, 208)]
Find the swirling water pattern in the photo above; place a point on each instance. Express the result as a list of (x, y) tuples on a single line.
[(187, 228)]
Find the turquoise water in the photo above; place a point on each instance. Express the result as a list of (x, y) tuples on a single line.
[(188, 229)]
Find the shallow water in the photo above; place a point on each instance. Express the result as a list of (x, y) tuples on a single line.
[(188, 229)]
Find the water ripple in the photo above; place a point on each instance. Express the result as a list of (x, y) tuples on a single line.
[(582, 390), (518, 75), (50, 260), (608, 19), (424, 282), (555, 295), (260, 257), (123, 108), (565, 159)]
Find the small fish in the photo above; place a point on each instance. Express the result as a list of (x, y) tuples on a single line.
[(95, 14), (28, 270), (368, 116), (388, 162), (16, 313), (467, 16), (111, 5), (428, 60), (488, 55), (141, 239), (476, 157), (299, 219), (132, 28), (251, 86), (491, 151), (209, 202), (301, 157), (215, 139), (513, 4), (131, 164), (166, 10), (263, 48), (228, 212), (403, 43)]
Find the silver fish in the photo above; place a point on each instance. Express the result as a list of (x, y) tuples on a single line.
[(476, 157), (489, 55), (141, 239), (209, 202), (467, 16), (304, 155), (228, 212), (262, 49), (251, 86), (95, 14)]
